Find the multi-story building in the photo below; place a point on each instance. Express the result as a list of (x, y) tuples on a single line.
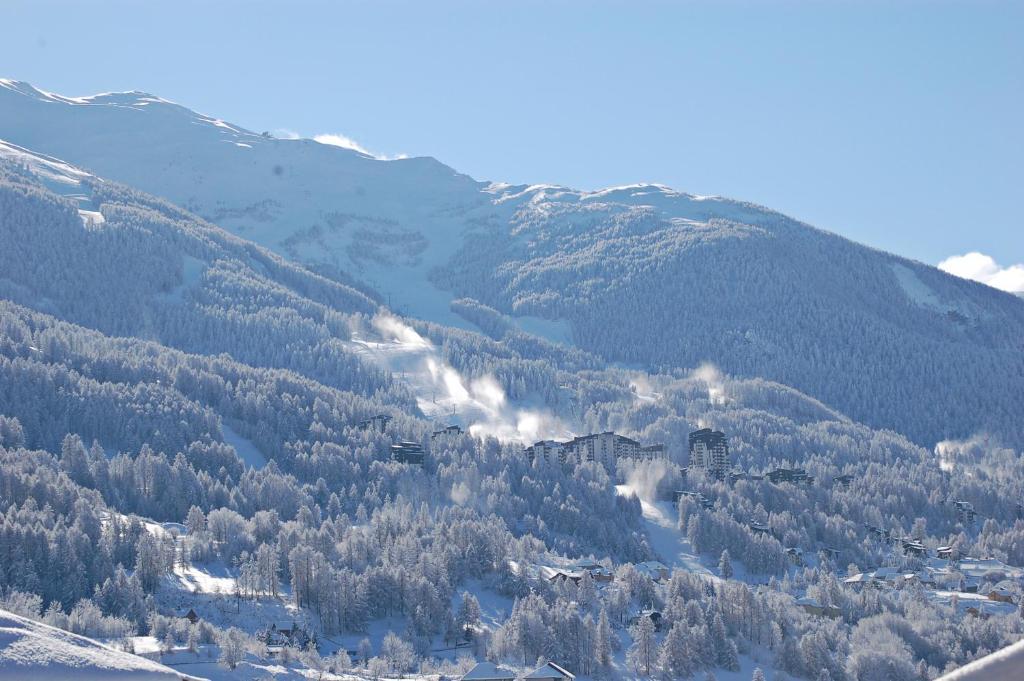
[(378, 423), (547, 451), (605, 448), (709, 452)]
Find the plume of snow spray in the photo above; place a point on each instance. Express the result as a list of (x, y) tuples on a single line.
[(442, 391), (644, 478), (710, 375)]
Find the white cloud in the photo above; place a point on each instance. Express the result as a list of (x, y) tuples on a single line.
[(984, 268)]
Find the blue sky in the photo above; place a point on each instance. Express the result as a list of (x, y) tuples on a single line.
[(897, 125)]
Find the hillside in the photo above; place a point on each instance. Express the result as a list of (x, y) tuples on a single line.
[(890, 342), (189, 467), (32, 650)]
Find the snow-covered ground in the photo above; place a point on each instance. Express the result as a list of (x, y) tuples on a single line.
[(32, 650), (671, 545), (245, 449)]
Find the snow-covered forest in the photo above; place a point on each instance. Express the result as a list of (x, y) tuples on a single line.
[(183, 431)]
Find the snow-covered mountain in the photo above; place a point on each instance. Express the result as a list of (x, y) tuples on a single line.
[(641, 275)]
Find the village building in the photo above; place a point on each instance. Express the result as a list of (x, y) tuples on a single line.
[(649, 613), (654, 569), (913, 547), (408, 452), (843, 480), (813, 607), (598, 572), (606, 448), (378, 423), (965, 513), (488, 671), (653, 452), (447, 431), (794, 475), (696, 496), (709, 452), (550, 672), (547, 451), (1001, 592), (191, 616), (759, 528)]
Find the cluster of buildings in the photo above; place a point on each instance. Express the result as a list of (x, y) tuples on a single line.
[(606, 448), (964, 576), (406, 451)]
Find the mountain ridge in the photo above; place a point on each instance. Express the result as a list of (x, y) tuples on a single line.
[(840, 321)]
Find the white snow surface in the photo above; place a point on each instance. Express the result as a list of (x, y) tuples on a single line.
[(33, 650), (387, 223), (1003, 665), (245, 449)]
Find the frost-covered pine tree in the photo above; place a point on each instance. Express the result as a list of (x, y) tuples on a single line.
[(725, 565), (673, 657), (603, 641), (642, 653)]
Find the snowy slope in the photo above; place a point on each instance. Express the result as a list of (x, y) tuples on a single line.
[(882, 339), (387, 223), (32, 650)]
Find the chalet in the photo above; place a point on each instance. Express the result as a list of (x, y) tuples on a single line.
[(842, 480), (812, 607), (794, 475), (880, 533), (860, 580), (796, 555), (913, 547), (447, 431), (550, 672), (555, 574), (378, 423), (598, 572), (831, 553), (407, 452), (1001, 592), (650, 614), (654, 569), (696, 496), (285, 633), (488, 671), (759, 528), (191, 616), (946, 553)]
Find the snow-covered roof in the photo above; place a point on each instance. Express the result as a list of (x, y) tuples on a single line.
[(488, 671), (550, 671)]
